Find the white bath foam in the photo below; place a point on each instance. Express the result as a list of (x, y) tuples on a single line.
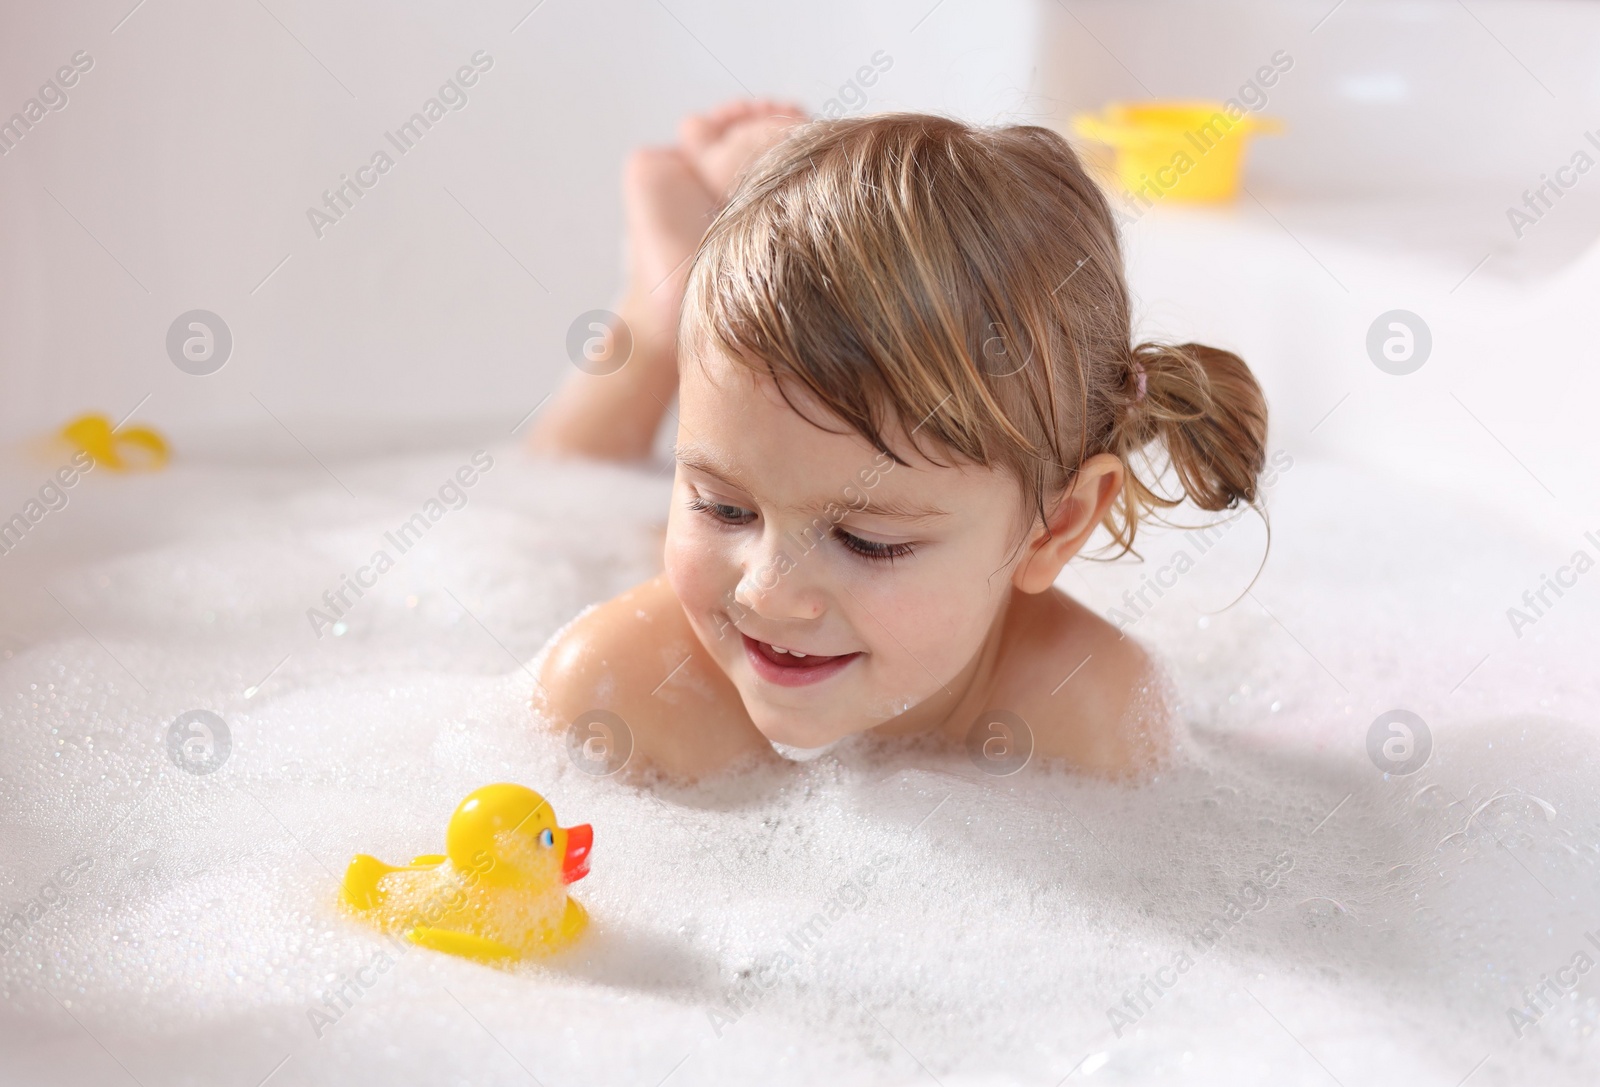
[(855, 917)]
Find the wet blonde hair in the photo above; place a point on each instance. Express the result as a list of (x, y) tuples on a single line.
[(964, 287)]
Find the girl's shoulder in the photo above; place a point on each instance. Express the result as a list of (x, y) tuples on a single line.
[(1088, 692), (636, 659)]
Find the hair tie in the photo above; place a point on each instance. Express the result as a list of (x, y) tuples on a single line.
[(1138, 372)]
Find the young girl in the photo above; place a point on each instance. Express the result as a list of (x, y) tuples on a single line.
[(907, 396)]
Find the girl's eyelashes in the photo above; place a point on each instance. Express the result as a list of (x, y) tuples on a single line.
[(722, 511), (728, 514), (871, 549)]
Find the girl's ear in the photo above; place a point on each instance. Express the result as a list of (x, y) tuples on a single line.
[(1079, 509)]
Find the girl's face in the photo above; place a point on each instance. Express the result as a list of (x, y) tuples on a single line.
[(785, 537)]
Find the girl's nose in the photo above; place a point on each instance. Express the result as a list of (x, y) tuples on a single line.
[(777, 585)]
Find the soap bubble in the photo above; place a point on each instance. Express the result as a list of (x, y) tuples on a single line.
[(1399, 743), (199, 742)]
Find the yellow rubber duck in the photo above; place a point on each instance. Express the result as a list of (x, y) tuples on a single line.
[(95, 435), (498, 893)]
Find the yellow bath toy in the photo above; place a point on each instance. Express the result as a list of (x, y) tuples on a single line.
[(95, 435), (1191, 151), (499, 891)]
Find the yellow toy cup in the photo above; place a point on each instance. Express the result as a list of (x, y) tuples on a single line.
[(1189, 151)]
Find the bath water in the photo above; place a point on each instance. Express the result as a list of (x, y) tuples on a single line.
[(1279, 904)]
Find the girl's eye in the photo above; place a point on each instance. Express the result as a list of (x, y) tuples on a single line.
[(546, 838), (728, 515), (871, 549)]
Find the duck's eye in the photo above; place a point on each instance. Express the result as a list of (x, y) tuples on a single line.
[(546, 838)]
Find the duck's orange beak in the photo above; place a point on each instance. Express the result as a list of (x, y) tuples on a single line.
[(575, 864)]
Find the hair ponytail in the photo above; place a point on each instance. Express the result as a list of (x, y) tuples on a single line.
[(1205, 409)]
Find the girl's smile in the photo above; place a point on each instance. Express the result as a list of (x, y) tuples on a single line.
[(792, 668)]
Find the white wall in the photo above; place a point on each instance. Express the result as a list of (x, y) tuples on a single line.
[(179, 173)]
